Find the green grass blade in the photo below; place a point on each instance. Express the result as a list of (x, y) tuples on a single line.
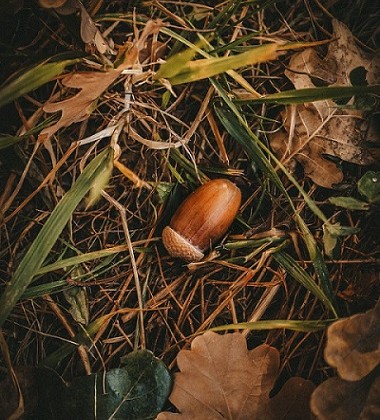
[(7, 141), (32, 79), (50, 232), (300, 96), (79, 259), (177, 71), (298, 273), (45, 289), (83, 337), (238, 129), (302, 326)]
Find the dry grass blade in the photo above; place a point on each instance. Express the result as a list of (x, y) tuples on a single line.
[(50, 232)]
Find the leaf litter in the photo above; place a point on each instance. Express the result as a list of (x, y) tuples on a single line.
[(313, 130)]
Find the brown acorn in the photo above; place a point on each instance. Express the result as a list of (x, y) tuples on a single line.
[(202, 219)]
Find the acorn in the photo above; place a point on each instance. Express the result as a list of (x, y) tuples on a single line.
[(202, 219)]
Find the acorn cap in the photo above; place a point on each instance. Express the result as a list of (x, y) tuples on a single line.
[(179, 247)]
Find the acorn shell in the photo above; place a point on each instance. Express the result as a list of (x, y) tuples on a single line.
[(202, 219)]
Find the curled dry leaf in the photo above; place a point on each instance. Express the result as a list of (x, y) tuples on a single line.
[(88, 29), (220, 378), (353, 348), (313, 130)]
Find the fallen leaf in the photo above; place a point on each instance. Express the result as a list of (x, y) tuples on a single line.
[(137, 390), (220, 378), (337, 399), (353, 344), (369, 186), (78, 107), (353, 348), (313, 130), (92, 84)]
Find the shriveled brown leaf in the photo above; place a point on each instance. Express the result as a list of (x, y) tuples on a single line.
[(353, 348), (220, 378), (320, 128), (353, 344)]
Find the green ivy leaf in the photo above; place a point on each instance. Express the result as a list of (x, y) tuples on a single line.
[(369, 186), (137, 390)]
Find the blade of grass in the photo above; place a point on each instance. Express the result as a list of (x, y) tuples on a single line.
[(83, 337), (50, 232), (300, 96), (299, 274), (302, 326), (32, 79), (232, 73), (236, 125), (79, 259), (178, 72), (6, 141)]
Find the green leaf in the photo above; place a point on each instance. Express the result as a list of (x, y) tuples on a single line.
[(78, 301), (349, 203), (32, 79), (41, 246), (331, 235), (300, 96), (369, 186), (137, 390)]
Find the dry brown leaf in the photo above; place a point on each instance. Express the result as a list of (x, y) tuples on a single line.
[(92, 84), (220, 378), (353, 348), (353, 344), (78, 107), (336, 399), (316, 129)]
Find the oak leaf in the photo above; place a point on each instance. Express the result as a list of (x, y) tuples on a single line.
[(220, 378), (353, 348), (313, 130), (78, 107), (91, 85)]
